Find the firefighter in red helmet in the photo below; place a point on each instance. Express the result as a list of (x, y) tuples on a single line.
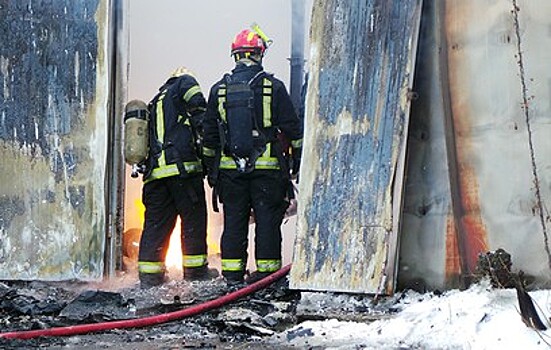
[(248, 112)]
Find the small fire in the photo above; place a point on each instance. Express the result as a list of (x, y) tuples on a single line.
[(174, 253)]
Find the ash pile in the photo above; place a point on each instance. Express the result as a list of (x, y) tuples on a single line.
[(268, 316)]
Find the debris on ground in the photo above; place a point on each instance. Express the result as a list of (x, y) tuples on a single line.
[(32, 305)]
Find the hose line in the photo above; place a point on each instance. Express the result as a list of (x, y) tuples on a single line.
[(151, 320)]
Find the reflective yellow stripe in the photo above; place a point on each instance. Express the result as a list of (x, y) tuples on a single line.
[(186, 120), (172, 169), (227, 163), (221, 102), (209, 152), (296, 143), (268, 265), (151, 267), (194, 260), (271, 163), (233, 265), (192, 91), (267, 163), (161, 126), (164, 171), (193, 167), (268, 151), (267, 103)]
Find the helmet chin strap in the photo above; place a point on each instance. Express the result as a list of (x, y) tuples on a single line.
[(248, 60)]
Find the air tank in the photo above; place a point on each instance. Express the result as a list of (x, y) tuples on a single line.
[(136, 139)]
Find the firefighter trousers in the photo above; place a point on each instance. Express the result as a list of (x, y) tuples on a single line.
[(263, 192), (166, 199)]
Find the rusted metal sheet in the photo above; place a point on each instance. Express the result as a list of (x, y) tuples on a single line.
[(361, 69), (488, 88), (428, 240), (54, 137)]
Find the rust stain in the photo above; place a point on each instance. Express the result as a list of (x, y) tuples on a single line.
[(474, 236), (475, 239), (453, 260)]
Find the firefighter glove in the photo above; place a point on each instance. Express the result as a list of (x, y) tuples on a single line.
[(295, 161), (208, 169)]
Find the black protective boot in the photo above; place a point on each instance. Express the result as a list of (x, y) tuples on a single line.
[(202, 273), (256, 276), (148, 280), (233, 277)]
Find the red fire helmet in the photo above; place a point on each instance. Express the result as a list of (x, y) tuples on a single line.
[(248, 41)]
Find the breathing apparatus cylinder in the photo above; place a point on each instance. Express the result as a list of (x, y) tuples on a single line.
[(136, 137)]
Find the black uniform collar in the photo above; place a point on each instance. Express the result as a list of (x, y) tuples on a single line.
[(241, 67)]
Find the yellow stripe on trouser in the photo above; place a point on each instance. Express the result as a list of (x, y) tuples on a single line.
[(151, 267), (233, 265), (268, 265), (194, 260)]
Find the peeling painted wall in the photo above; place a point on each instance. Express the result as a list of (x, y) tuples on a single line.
[(479, 174), (53, 138), (361, 69)]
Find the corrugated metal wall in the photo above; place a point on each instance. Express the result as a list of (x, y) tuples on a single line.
[(479, 153), (357, 108), (479, 174), (56, 98)]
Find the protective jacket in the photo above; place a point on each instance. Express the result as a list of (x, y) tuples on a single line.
[(173, 182), (274, 114), (175, 125), (263, 189)]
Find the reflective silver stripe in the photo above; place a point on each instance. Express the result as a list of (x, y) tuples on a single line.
[(221, 102), (296, 143), (192, 91), (268, 265), (194, 260), (267, 103), (209, 152), (151, 267), (233, 265)]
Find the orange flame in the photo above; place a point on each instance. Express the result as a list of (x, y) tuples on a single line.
[(174, 254)]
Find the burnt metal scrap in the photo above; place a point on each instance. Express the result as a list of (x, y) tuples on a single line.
[(261, 315), (255, 319)]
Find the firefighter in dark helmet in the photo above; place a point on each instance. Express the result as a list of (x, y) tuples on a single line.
[(249, 112), (173, 181)]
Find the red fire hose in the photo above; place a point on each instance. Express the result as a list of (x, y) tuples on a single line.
[(151, 320)]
